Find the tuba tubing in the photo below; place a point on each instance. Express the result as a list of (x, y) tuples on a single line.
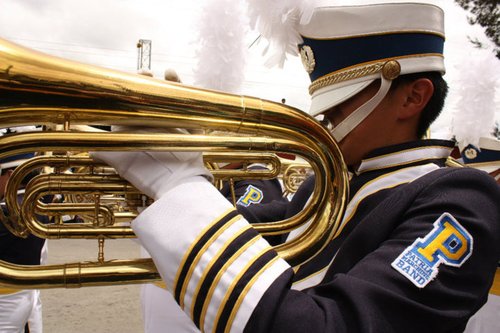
[(40, 89), (44, 185), (13, 221), (61, 164)]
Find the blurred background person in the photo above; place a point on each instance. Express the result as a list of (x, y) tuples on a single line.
[(486, 157), (20, 310)]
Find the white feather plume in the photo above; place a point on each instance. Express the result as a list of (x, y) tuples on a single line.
[(221, 48), (477, 88), (277, 22)]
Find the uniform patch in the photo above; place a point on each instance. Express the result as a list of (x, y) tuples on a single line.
[(253, 195), (447, 243)]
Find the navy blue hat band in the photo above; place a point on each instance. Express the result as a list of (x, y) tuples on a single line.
[(472, 154), (336, 54)]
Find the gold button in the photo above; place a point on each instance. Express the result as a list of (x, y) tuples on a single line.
[(391, 70), (470, 153)]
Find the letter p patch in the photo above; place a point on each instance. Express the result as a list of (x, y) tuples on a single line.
[(447, 243), (252, 195)]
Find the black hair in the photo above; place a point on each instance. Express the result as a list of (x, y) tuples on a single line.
[(436, 102)]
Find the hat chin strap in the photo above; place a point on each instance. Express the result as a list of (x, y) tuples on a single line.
[(355, 118)]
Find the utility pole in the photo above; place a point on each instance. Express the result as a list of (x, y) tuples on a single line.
[(144, 55)]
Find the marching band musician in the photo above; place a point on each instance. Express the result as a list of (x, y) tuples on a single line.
[(254, 191), (486, 157), (419, 243), (159, 309), (20, 310), (251, 196)]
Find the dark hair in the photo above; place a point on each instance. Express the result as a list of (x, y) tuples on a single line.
[(436, 102)]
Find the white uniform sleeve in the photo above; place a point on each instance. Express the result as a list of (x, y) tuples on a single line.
[(213, 262)]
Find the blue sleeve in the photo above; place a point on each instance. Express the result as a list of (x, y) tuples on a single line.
[(363, 292)]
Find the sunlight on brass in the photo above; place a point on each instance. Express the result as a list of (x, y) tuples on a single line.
[(38, 89)]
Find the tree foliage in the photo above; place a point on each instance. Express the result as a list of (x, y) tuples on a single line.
[(486, 13)]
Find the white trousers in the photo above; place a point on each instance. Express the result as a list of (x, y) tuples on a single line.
[(19, 308), (23, 307)]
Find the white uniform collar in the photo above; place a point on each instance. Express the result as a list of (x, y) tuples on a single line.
[(403, 154)]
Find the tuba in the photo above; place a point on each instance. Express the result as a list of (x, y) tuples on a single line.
[(42, 90)]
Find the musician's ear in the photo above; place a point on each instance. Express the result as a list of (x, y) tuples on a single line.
[(414, 97)]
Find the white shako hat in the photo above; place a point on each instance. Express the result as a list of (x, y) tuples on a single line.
[(345, 48), (485, 156)]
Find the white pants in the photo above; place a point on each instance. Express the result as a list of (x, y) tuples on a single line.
[(23, 307), (35, 320), (19, 308), (486, 320)]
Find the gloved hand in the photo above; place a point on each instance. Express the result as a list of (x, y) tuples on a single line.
[(155, 173)]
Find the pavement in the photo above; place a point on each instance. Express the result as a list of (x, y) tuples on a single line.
[(92, 309)]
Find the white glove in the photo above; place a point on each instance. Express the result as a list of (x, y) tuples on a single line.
[(155, 173)]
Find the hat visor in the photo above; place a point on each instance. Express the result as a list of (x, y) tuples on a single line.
[(329, 96), (485, 166)]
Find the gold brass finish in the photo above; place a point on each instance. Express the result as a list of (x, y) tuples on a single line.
[(43, 185), (272, 160), (293, 174), (391, 69), (87, 171), (37, 89)]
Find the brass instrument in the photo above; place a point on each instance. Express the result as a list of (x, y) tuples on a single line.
[(243, 171), (38, 89), (272, 160), (293, 174)]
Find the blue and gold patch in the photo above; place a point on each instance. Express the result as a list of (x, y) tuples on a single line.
[(253, 195), (448, 243)]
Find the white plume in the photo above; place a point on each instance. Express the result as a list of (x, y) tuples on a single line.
[(221, 48), (477, 87), (277, 22)]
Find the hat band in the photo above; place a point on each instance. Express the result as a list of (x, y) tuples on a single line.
[(331, 56), (359, 71), (345, 75)]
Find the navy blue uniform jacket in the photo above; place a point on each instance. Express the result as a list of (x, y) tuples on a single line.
[(416, 252)]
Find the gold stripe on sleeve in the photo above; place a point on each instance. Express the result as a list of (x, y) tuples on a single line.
[(243, 294), (200, 253), (219, 276)]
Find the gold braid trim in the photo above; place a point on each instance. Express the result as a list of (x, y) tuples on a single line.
[(390, 68), (349, 74)]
